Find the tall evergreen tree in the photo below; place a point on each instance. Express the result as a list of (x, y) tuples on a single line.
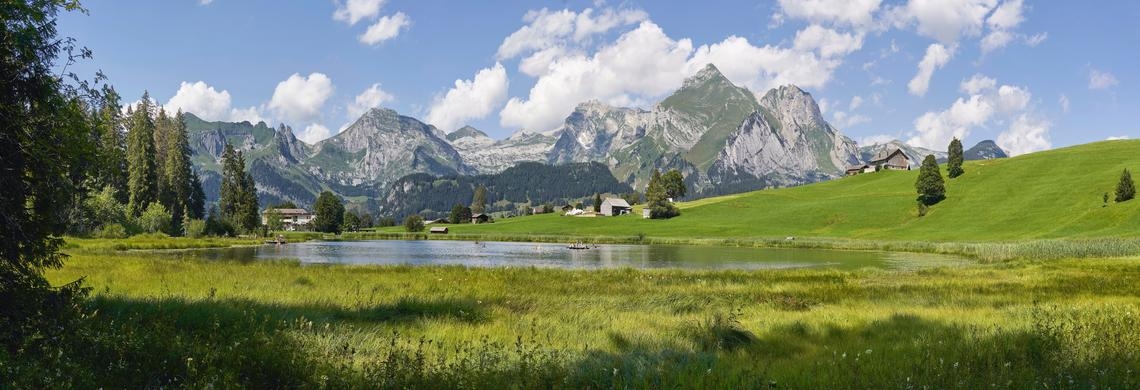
[(177, 174), (597, 202), (162, 130), (237, 196), (142, 179), (954, 163), (197, 202), (479, 201), (1125, 188), (930, 186), (111, 163), (45, 146)]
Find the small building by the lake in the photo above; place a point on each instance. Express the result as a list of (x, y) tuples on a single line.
[(480, 218), (291, 219), (615, 206), (438, 230)]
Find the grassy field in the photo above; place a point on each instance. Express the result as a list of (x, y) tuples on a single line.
[(167, 319), (1052, 194)]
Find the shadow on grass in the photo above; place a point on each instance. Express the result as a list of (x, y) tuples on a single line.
[(226, 344)]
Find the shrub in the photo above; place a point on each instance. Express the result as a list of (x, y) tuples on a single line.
[(111, 230), (414, 223), (155, 219), (196, 228)]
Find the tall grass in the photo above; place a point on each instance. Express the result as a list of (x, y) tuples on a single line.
[(164, 321)]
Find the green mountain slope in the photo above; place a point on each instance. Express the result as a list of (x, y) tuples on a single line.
[(1048, 194), (710, 99)]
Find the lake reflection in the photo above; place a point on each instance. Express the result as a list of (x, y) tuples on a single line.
[(512, 254)]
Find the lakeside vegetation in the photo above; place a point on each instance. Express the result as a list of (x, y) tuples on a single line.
[(168, 318)]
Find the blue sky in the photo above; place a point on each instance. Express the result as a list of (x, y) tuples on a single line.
[(1032, 75)]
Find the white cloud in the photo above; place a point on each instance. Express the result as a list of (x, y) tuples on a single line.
[(210, 104), (843, 120), (300, 98), (856, 13), (314, 133), (944, 20), (877, 139), (856, 101), (1025, 135), (1011, 98), (1064, 102), (1117, 138), (995, 40), (353, 11), (1101, 80), (644, 63), (546, 29), (936, 57), (205, 2), (641, 62), (977, 84), (385, 28), (372, 97), (823, 104), (470, 99), (934, 130), (1007, 16), (1036, 39), (828, 42)]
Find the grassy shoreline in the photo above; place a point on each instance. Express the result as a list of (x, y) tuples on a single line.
[(985, 251)]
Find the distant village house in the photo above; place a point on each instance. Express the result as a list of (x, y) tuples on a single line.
[(615, 206), (291, 219), (480, 218)]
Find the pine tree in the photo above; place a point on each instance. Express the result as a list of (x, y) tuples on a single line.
[(1125, 189), (111, 163), (479, 201), (597, 202), (162, 130), (178, 173), (954, 163), (930, 186), (142, 186), (237, 196)]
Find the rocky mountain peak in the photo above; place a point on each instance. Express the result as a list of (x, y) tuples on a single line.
[(466, 132), (707, 75), (985, 150)]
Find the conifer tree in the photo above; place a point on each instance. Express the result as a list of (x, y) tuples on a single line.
[(237, 196), (597, 202), (177, 174), (954, 163), (479, 201), (930, 186), (142, 186), (111, 163), (1125, 188), (162, 130)]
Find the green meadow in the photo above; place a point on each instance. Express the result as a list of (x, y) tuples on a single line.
[(1050, 299), (1055, 194)]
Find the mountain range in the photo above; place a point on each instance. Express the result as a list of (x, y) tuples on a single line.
[(721, 136)]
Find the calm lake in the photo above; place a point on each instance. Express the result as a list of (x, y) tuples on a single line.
[(514, 254)]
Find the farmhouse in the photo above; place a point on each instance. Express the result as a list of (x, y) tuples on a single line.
[(615, 206), (857, 169), (480, 218), (891, 159), (291, 219)]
